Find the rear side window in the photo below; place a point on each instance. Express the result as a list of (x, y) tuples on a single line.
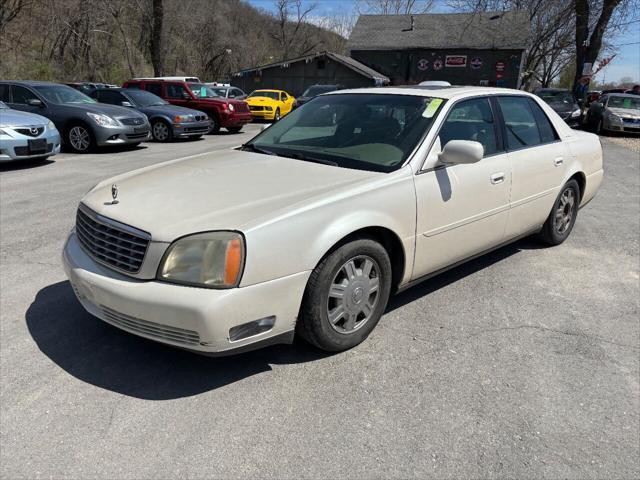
[(520, 122), (155, 88), (547, 132), (471, 120), (4, 93)]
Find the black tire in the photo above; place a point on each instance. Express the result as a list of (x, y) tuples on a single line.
[(557, 229), (74, 132), (194, 137), (276, 115), (161, 131), (313, 321), (234, 129), (215, 124)]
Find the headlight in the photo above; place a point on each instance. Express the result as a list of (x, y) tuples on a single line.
[(231, 108), (575, 113), (211, 260), (183, 118), (612, 117), (103, 120), (268, 109)]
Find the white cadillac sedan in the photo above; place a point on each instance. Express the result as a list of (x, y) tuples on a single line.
[(311, 225)]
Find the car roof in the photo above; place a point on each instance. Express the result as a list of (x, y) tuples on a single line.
[(553, 90), (31, 83), (267, 90), (624, 95), (439, 92)]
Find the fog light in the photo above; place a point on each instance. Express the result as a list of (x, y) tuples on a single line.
[(252, 328), (113, 137)]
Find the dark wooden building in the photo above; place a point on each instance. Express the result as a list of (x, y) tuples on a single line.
[(296, 75), (461, 48)]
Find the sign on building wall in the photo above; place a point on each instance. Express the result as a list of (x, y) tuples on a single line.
[(455, 61)]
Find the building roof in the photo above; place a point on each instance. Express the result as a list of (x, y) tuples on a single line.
[(346, 61), (488, 30)]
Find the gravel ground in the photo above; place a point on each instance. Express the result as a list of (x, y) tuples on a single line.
[(632, 143), (523, 363)]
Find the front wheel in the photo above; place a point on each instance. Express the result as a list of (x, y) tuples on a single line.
[(276, 116), (80, 138), (161, 131), (563, 215), (215, 124), (346, 295)]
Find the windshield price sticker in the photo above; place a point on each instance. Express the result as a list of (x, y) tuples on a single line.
[(432, 108)]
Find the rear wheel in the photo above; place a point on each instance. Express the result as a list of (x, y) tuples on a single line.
[(80, 138), (563, 215), (346, 296), (161, 131), (234, 129)]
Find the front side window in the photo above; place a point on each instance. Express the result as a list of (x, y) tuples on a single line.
[(111, 97), (284, 97), (624, 102), (62, 94), (520, 122), (176, 91), (471, 120), (22, 95), (375, 132), (4, 93)]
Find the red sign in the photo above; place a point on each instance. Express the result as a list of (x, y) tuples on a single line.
[(455, 61), (500, 66), (499, 75)]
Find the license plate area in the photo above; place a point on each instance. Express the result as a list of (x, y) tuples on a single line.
[(140, 129), (38, 145)]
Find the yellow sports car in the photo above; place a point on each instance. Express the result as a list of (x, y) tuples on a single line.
[(269, 104)]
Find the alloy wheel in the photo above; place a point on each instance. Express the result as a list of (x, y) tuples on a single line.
[(160, 131), (564, 212), (353, 294), (79, 138)]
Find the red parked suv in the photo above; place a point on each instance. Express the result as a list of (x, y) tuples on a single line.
[(223, 112)]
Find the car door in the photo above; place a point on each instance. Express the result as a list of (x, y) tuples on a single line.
[(287, 103), (22, 97), (537, 160), (462, 209), (177, 94)]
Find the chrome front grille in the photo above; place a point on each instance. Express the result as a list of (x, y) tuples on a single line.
[(30, 131), (131, 121), (111, 243), (152, 329), (256, 108)]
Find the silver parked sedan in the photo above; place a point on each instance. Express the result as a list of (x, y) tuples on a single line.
[(310, 226), (26, 136)]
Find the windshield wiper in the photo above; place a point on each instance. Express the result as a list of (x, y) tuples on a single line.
[(300, 156), (251, 147)]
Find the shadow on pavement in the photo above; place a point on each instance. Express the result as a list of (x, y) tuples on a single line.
[(24, 164), (100, 354)]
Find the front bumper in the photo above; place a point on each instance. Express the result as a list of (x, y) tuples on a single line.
[(196, 319), (263, 114), (122, 135), (16, 146), (192, 128), (234, 119)]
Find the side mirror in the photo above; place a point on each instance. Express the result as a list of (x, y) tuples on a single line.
[(461, 152), (35, 102), (126, 104)]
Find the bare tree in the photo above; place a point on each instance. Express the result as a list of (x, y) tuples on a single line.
[(394, 7), (155, 42), (9, 10), (291, 16)]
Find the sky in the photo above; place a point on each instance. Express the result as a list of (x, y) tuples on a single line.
[(627, 45)]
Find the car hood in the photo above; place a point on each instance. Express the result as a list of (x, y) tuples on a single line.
[(260, 100), (106, 109), (170, 110), (625, 112), (228, 190), (16, 118)]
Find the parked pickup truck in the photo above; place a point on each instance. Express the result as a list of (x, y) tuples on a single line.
[(223, 112)]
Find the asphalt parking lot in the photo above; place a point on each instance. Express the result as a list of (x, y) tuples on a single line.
[(521, 364)]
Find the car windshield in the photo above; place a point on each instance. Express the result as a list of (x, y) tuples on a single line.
[(624, 102), (62, 94), (200, 90), (317, 90), (375, 132), (145, 99), (266, 93), (221, 92), (556, 97)]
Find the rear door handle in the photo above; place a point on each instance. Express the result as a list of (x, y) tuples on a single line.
[(497, 178), (558, 161)]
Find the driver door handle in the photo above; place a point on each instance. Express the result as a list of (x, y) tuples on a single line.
[(497, 178), (558, 161)]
